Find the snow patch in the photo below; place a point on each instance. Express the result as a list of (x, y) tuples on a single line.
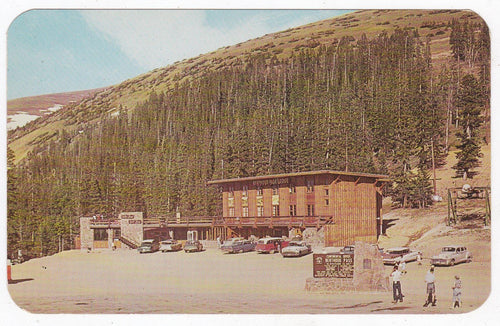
[(52, 109), (19, 119)]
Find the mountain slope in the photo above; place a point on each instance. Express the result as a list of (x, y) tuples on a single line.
[(433, 24)]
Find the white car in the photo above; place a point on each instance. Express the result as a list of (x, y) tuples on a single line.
[(451, 255), (396, 255), (170, 245), (296, 249)]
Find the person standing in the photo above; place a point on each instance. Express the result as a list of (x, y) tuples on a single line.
[(457, 292), (402, 267), (431, 287), (396, 285)]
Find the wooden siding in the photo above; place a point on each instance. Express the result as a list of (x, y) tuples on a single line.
[(354, 210), (354, 202)]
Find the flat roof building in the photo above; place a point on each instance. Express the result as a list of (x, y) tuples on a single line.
[(348, 205)]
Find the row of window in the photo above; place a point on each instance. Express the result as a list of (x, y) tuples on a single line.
[(275, 211), (292, 189)]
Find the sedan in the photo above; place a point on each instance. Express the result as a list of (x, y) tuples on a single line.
[(451, 255), (296, 249), (238, 246), (397, 255), (170, 245), (149, 245), (193, 246)]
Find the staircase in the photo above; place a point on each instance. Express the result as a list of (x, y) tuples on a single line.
[(128, 242)]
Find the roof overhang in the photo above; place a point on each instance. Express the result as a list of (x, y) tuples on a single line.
[(378, 177)]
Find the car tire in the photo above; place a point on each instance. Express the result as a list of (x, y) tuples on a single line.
[(452, 262), (271, 252)]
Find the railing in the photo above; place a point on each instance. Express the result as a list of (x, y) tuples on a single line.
[(289, 221), (165, 221), (128, 242)]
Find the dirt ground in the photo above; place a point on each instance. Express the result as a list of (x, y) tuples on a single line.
[(212, 282)]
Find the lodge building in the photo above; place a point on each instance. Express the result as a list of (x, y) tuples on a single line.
[(346, 205)]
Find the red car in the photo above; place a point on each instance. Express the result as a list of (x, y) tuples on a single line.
[(270, 245)]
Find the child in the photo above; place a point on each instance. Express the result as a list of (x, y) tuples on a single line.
[(457, 292)]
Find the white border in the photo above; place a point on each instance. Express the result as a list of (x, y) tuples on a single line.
[(486, 314)]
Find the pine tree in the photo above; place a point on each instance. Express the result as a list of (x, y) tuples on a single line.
[(469, 104)]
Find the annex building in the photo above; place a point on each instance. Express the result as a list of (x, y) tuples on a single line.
[(347, 205)]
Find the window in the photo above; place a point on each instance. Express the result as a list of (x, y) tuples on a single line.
[(293, 210), (310, 185), (259, 191), (245, 212), (260, 210), (276, 210), (117, 233), (327, 202), (310, 210), (245, 191), (100, 235), (231, 211), (275, 190), (327, 192), (230, 191), (292, 189)]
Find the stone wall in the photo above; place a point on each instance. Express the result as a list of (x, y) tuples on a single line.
[(132, 226), (369, 274), (86, 234), (369, 271)]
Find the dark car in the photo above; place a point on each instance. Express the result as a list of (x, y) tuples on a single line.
[(149, 245), (193, 246), (238, 245)]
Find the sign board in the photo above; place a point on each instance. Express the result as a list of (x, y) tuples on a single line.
[(335, 265), (268, 182)]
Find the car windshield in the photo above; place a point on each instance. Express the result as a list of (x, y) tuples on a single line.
[(146, 244), (396, 252), (293, 243), (449, 249)]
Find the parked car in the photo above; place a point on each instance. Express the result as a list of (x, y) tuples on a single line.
[(393, 256), (270, 245), (193, 246), (451, 255), (238, 245), (170, 245), (347, 250), (296, 249), (149, 245)]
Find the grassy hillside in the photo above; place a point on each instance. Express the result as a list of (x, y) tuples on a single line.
[(34, 104), (432, 24)]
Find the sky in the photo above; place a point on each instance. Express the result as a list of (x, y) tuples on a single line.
[(54, 51)]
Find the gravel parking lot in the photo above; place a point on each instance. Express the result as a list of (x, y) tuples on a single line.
[(124, 281)]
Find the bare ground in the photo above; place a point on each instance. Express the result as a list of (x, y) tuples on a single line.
[(215, 283)]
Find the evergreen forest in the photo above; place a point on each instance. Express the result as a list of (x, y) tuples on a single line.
[(374, 105)]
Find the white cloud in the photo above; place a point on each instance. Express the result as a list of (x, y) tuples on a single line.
[(156, 38)]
